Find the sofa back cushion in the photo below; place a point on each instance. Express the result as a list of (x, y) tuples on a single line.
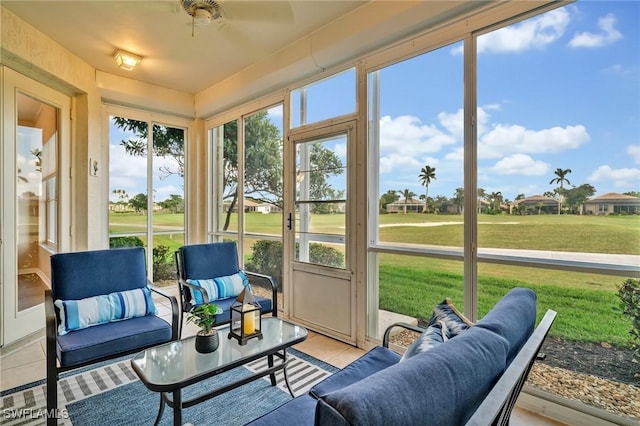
[(441, 387), (79, 275), (513, 317)]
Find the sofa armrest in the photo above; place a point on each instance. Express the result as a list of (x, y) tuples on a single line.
[(496, 407), (387, 332), (175, 311)]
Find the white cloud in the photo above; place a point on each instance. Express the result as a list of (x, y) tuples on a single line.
[(126, 172), (622, 70), (520, 164), (162, 193), (404, 140), (505, 139), (622, 178), (535, 33), (634, 152), (608, 34)]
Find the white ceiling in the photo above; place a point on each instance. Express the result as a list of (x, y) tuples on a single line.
[(161, 32)]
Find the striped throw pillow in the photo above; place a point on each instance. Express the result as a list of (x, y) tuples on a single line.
[(83, 313), (209, 286)]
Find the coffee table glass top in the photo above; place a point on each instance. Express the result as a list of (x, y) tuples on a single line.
[(178, 362)]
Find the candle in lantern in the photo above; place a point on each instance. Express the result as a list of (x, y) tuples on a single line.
[(249, 319)]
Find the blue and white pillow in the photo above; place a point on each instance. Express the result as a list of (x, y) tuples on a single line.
[(209, 286), (434, 335), (454, 320), (232, 285), (219, 288), (83, 313)]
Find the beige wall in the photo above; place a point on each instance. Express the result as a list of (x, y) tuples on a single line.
[(34, 55)]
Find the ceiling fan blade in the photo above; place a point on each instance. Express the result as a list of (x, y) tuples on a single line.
[(241, 10)]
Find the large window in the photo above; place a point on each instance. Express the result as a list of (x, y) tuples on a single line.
[(556, 129), (147, 202), (554, 161), (247, 153), (417, 146)]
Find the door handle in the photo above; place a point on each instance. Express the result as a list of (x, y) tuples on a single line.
[(289, 224)]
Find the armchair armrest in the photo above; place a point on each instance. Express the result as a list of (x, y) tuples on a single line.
[(387, 332), (193, 287), (51, 326), (175, 311), (272, 283)]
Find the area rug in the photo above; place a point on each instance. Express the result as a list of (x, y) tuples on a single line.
[(112, 393)]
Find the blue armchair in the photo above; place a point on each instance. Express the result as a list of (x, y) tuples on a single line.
[(100, 307), (197, 264)]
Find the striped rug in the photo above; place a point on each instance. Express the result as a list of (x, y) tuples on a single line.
[(26, 405)]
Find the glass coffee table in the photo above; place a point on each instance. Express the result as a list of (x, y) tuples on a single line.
[(171, 367)]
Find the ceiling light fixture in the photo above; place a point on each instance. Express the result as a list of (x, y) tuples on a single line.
[(125, 60)]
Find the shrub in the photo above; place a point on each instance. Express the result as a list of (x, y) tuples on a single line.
[(267, 258), (629, 293), (163, 268), (117, 242)]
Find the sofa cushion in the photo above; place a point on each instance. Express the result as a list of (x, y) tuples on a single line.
[(91, 311), (298, 411), (455, 320), (108, 339), (434, 335), (443, 386), (513, 317), (373, 361)]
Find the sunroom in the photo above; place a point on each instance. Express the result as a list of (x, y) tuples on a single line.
[(289, 127)]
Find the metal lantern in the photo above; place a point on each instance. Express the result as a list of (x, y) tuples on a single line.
[(245, 317)]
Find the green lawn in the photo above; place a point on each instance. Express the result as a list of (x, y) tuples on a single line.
[(586, 303)]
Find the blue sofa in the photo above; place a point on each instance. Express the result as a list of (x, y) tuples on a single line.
[(444, 386)]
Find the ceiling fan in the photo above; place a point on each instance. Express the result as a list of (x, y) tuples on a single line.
[(202, 11)]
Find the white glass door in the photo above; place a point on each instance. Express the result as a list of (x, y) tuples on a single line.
[(32, 184), (322, 283)]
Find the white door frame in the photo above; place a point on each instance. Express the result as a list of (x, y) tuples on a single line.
[(320, 297), (17, 324)]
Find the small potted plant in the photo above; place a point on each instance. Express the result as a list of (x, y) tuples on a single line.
[(204, 316)]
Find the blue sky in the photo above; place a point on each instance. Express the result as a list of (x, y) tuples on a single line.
[(560, 90)]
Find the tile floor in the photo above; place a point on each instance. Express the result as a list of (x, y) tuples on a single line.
[(25, 363)]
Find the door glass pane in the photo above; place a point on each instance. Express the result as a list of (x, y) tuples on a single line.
[(36, 201), (321, 195), (127, 182), (168, 200)]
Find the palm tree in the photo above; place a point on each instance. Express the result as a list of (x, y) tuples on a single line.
[(496, 200), (481, 193), (458, 199), (407, 194), (427, 174), (560, 179)]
